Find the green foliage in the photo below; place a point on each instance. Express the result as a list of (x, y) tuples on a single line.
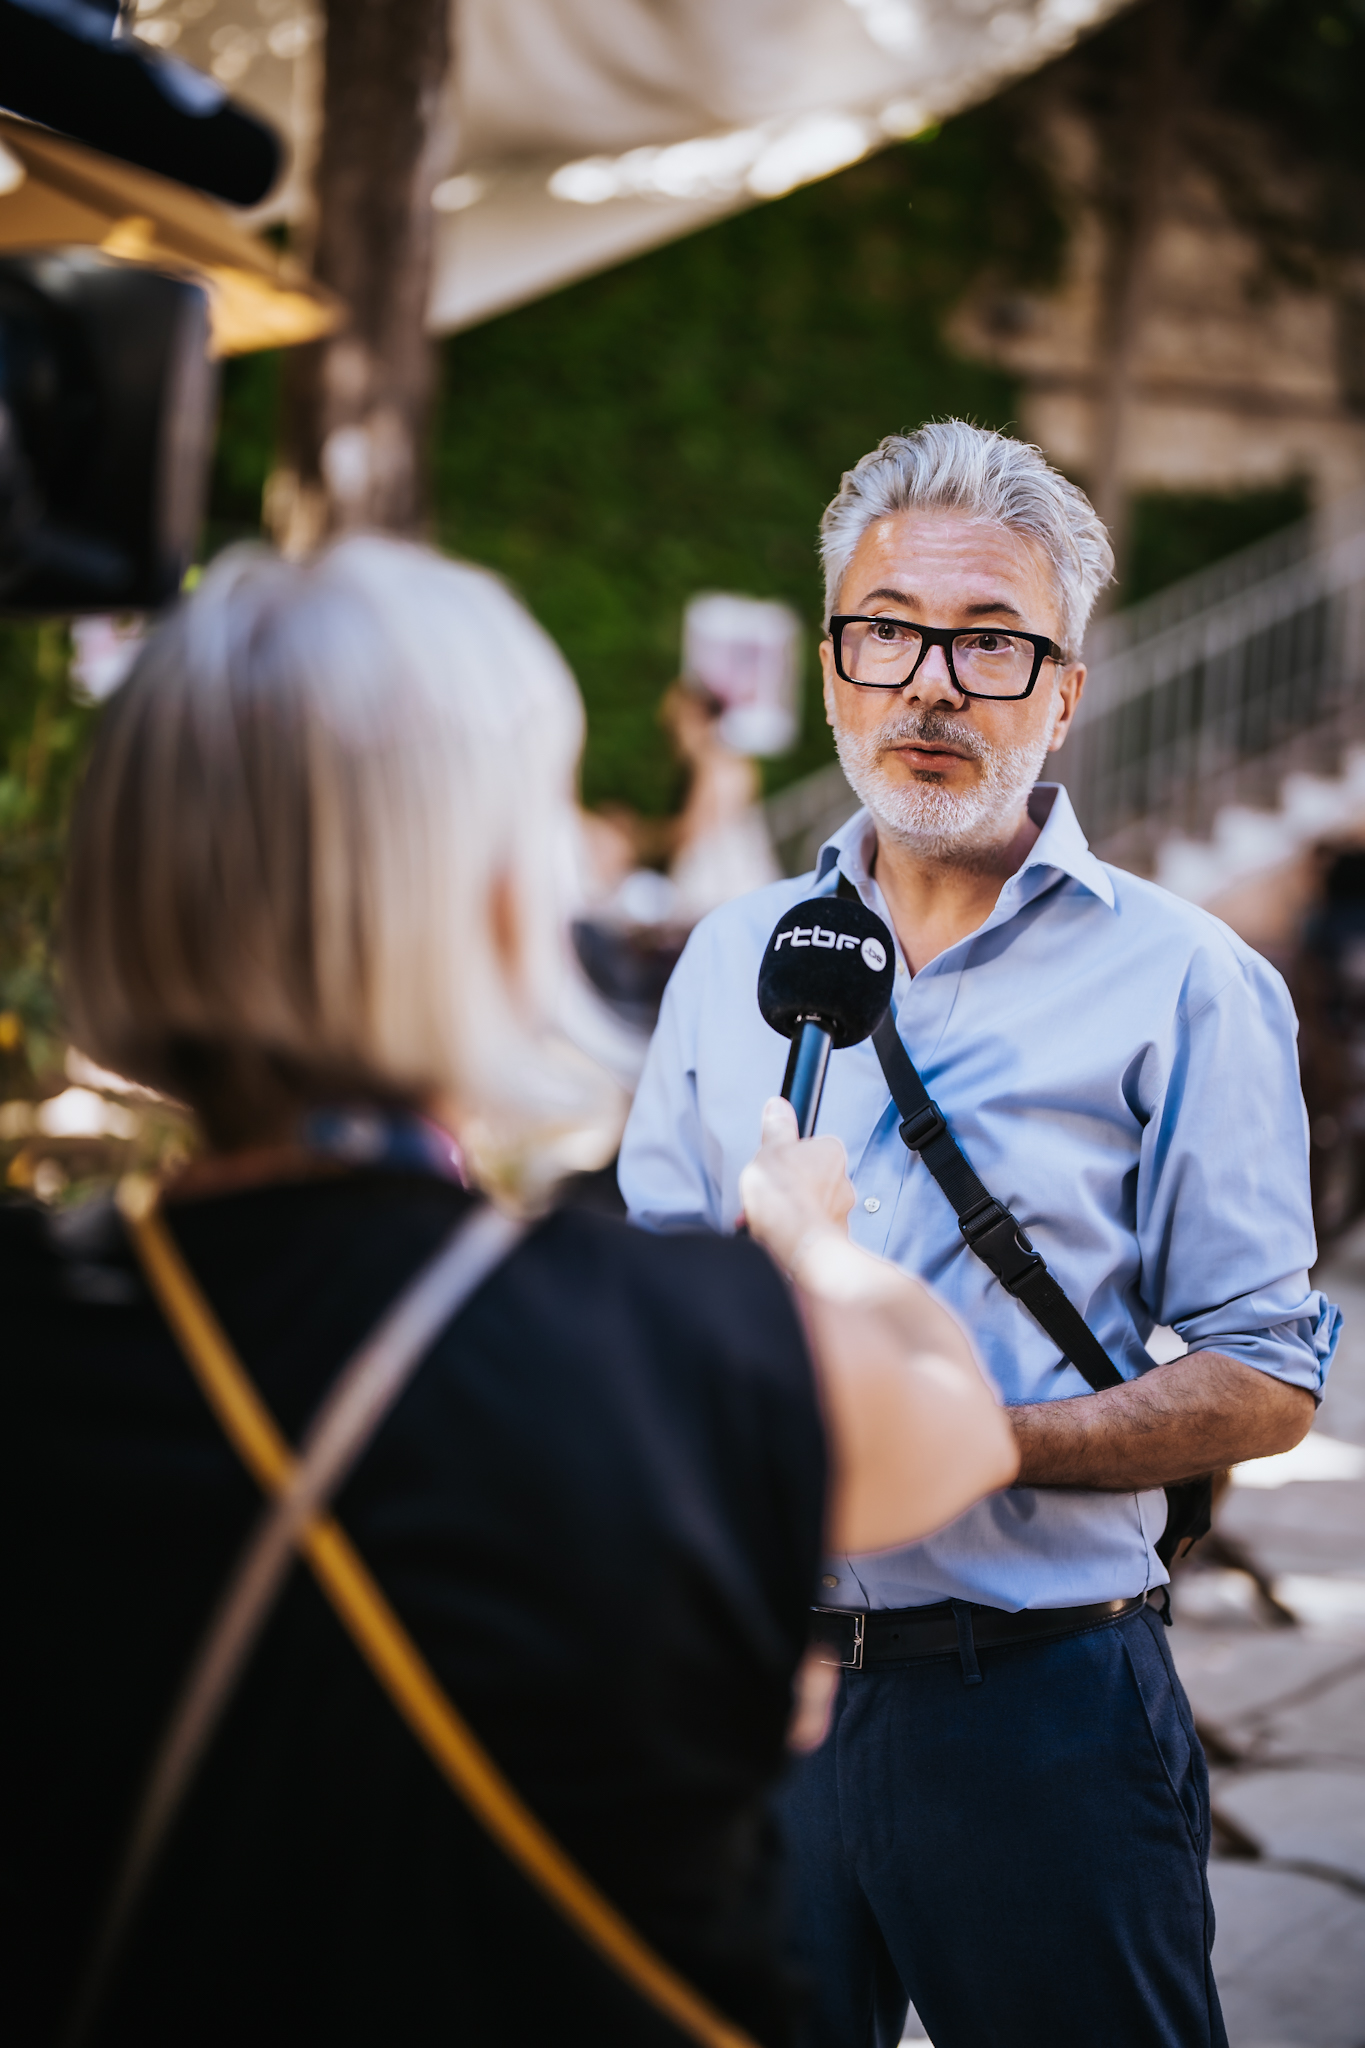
[(244, 453), (1176, 533), (43, 728), (1301, 69), (679, 424)]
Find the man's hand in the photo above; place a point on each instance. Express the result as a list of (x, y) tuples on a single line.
[(793, 1187), (1179, 1420)]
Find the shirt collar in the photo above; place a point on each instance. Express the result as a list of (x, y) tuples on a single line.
[(1060, 848)]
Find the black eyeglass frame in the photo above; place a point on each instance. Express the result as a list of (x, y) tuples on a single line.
[(941, 636)]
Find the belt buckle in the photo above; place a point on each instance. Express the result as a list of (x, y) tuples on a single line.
[(1012, 1258), (840, 1645)]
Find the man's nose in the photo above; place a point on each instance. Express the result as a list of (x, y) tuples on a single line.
[(932, 682)]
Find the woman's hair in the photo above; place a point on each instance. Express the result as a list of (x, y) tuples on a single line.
[(321, 850), (952, 466)]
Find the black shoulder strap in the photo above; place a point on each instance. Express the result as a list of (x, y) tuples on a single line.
[(993, 1233)]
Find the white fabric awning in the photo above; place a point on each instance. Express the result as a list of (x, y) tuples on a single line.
[(586, 131)]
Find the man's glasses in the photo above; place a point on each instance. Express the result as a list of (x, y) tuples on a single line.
[(983, 661)]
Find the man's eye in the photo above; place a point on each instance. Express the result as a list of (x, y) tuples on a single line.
[(888, 629)]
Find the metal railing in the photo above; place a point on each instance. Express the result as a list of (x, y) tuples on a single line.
[(1212, 691)]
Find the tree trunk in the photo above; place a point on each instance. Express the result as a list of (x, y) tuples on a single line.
[(357, 406), (1138, 145)]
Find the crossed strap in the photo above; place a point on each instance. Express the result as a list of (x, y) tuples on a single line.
[(297, 1521), (992, 1231)]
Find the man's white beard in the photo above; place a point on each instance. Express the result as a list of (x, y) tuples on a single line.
[(955, 826)]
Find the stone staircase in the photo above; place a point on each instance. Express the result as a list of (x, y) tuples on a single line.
[(1219, 716), (1255, 870)]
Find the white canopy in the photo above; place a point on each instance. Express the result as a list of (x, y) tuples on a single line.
[(585, 131)]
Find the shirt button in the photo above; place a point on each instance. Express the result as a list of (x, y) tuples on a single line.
[(871, 1204), (829, 1579)]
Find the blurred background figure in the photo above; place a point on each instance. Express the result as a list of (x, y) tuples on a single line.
[(649, 880), (738, 700), (720, 838)]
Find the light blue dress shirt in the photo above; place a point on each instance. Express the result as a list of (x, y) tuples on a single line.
[(1120, 1069)]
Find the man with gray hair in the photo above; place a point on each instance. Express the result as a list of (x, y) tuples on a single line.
[(1008, 1822)]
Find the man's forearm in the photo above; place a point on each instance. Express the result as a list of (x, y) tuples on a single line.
[(1191, 1416)]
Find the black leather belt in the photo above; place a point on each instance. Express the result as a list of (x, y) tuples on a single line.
[(895, 1635)]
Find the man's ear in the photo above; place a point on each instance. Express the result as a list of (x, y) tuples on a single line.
[(1070, 684), (827, 671)]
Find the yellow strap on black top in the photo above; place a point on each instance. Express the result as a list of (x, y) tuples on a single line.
[(391, 1652)]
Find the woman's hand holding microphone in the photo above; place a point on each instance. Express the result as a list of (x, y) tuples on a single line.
[(916, 1434)]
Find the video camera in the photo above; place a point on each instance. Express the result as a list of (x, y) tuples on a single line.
[(107, 389)]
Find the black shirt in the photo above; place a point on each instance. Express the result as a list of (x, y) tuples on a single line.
[(597, 1509)]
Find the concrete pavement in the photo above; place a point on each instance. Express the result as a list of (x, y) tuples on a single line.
[(1282, 1712)]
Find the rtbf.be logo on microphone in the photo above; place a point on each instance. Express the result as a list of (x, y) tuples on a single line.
[(872, 950), (829, 957)]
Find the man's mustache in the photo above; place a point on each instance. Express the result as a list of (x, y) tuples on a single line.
[(931, 729)]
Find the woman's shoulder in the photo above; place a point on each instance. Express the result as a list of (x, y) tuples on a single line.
[(721, 1296), (670, 1260), (639, 1376)]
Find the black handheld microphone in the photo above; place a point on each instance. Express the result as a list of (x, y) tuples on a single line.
[(825, 980)]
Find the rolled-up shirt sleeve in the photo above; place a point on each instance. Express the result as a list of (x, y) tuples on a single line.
[(1224, 1219)]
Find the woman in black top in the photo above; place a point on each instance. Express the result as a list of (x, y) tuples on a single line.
[(316, 870)]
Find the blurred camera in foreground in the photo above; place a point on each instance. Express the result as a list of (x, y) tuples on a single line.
[(106, 415)]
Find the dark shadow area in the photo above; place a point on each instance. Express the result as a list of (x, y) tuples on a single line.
[(1177, 533)]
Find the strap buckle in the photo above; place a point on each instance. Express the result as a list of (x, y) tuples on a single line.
[(837, 1635), (1001, 1242), (923, 1127)]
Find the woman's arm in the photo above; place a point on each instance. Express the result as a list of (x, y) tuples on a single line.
[(915, 1433)]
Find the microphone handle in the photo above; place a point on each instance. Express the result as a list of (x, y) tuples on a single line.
[(804, 1079)]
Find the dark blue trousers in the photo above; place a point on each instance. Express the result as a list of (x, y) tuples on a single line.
[(1023, 1858)]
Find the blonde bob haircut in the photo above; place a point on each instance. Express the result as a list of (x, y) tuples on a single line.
[(321, 851)]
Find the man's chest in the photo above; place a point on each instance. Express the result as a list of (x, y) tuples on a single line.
[(1042, 1060)]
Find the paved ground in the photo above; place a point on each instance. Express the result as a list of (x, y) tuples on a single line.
[(1282, 1711), (1280, 1701)]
